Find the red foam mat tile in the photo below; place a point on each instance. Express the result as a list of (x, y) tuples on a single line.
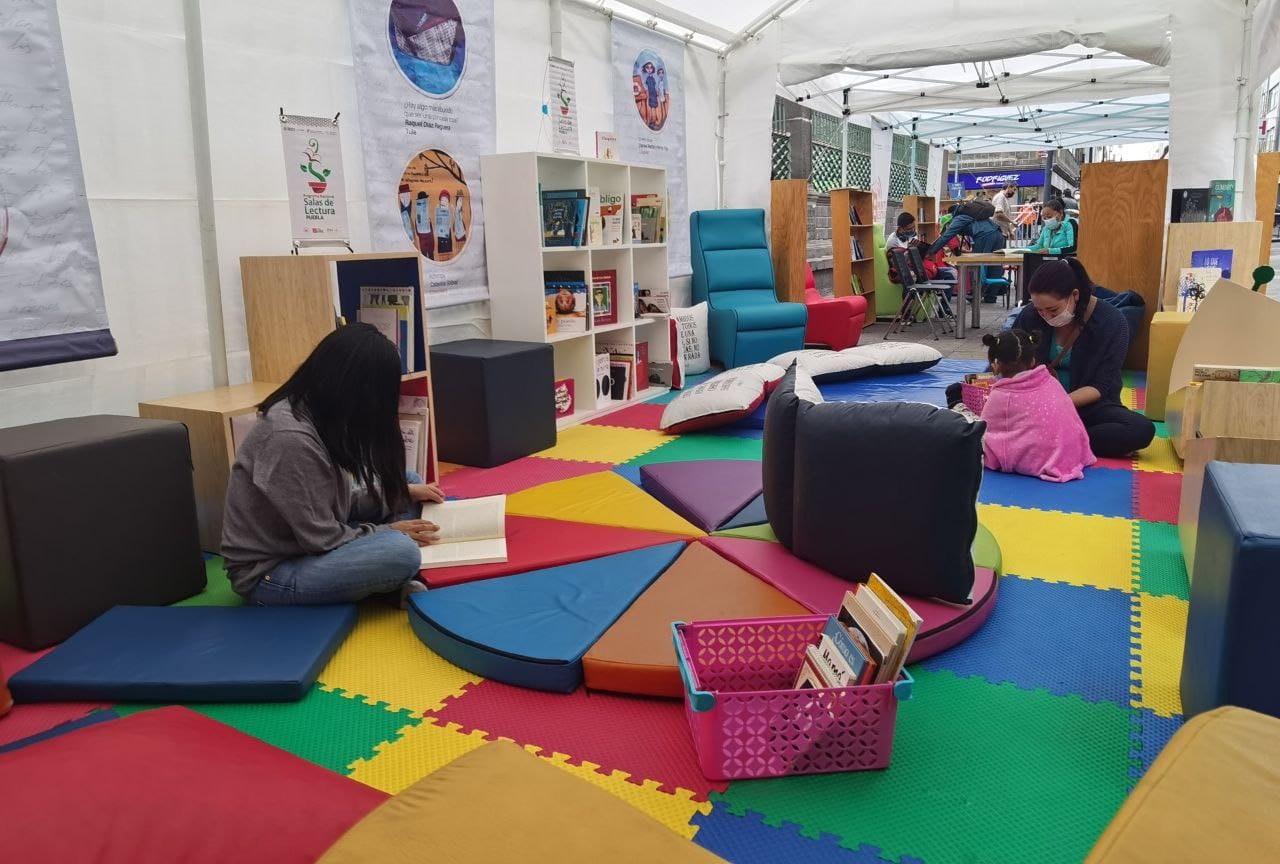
[(32, 719), (1158, 496), (514, 476), (642, 416), (534, 543), (648, 739)]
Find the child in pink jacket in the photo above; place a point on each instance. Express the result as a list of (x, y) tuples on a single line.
[(1032, 426)]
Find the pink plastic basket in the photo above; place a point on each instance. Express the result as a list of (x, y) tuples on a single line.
[(746, 719), (975, 397)]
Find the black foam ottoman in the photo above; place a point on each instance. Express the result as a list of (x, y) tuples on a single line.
[(94, 512), (494, 400)]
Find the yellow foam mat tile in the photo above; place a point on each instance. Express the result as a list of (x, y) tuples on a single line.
[(1159, 456), (585, 443), (1129, 398), (1160, 625), (602, 498), (1062, 547), (419, 751), (383, 661)]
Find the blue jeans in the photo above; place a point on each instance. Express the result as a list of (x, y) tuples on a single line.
[(377, 563)]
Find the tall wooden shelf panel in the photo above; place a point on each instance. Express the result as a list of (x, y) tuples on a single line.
[(517, 259), (854, 263), (925, 209), (789, 237)]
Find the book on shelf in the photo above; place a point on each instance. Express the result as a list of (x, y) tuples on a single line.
[(603, 382), (568, 301), (857, 250), (855, 218), (1190, 205), (606, 145), (564, 397), (375, 301), (649, 212), (386, 321), (920, 214), (417, 453), (1220, 258), (564, 217), (660, 374), (642, 365), (1194, 284), (611, 219), (1243, 374), (1222, 200), (653, 302), (855, 284), (595, 229), (622, 366), (472, 531), (604, 297)]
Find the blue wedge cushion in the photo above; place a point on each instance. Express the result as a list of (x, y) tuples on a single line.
[(853, 518), (190, 654)]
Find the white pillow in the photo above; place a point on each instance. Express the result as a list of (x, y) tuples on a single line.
[(692, 346), (824, 365), (730, 396), (806, 389), (890, 355)]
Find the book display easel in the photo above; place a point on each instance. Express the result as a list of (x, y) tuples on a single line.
[(925, 209), (853, 246), (534, 274)]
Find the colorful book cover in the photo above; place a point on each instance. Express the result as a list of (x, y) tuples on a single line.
[(1244, 374), (569, 303), (858, 661), (564, 397), (595, 230), (604, 296), (899, 609), (858, 630), (1222, 200), (611, 219), (1220, 258), (606, 145), (1194, 284), (642, 365), (401, 300), (1190, 205)]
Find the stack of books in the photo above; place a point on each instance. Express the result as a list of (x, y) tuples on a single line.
[(648, 219), (415, 429), (866, 642)]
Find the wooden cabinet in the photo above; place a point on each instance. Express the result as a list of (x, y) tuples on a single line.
[(853, 246)]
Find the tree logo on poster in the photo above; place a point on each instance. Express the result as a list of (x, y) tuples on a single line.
[(429, 44), (649, 86), (435, 206), (318, 175)]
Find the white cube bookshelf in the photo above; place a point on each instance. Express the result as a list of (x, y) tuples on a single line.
[(517, 259)]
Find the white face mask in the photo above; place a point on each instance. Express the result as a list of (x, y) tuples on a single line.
[(1063, 318), (1051, 223)]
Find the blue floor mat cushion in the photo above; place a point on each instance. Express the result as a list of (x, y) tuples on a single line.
[(531, 629), (190, 654)]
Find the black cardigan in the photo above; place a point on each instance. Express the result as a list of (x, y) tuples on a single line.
[(1098, 353)]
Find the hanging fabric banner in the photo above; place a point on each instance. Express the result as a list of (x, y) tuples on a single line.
[(315, 178), (424, 81), (51, 304), (562, 105), (648, 114)]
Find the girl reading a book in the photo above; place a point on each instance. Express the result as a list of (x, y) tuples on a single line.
[(1032, 427), (320, 508)]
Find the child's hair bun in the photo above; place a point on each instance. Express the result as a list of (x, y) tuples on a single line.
[(990, 340)]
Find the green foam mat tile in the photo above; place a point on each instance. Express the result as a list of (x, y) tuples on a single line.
[(980, 772), (750, 532), (323, 727), (687, 448), (217, 587), (1162, 430), (1158, 561)]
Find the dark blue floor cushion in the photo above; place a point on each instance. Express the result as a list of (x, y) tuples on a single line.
[(190, 654), (752, 514), (531, 629)]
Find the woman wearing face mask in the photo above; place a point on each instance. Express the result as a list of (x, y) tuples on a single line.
[(1059, 234), (1084, 342)]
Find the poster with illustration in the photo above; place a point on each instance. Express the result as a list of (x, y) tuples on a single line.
[(51, 304), (649, 116), (424, 80), (315, 179)]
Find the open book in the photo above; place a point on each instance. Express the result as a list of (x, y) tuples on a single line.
[(473, 531)]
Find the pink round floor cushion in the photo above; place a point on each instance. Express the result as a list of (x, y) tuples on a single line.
[(728, 397)]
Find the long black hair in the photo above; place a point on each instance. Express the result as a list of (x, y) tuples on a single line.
[(1015, 349), (349, 388), (1060, 278)]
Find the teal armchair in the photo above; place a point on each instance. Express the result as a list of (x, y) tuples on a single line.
[(733, 273)]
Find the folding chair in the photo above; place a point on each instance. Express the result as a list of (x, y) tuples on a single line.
[(940, 288), (917, 298)]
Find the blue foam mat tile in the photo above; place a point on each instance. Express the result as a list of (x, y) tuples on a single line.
[(1150, 734), (93, 718), (631, 472), (1101, 492), (748, 840), (752, 514), (1066, 639)]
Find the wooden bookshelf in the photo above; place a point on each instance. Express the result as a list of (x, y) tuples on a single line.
[(789, 237), (848, 267), (925, 209), (517, 259)]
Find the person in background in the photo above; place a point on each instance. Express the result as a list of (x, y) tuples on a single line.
[(1084, 341), (1005, 202), (973, 220), (1058, 237), (1032, 426), (901, 237), (1027, 220), (320, 508), (1069, 198)]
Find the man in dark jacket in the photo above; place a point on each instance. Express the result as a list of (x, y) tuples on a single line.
[(973, 220)]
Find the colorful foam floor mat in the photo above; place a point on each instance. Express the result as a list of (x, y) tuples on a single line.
[(1018, 746)]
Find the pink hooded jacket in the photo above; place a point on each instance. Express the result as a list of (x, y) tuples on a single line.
[(1033, 429)]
